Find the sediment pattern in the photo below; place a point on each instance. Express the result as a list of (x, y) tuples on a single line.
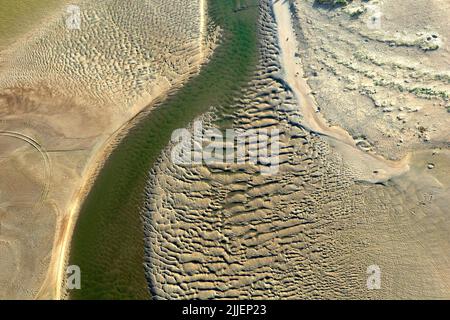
[(123, 51), (68, 92), (385, 67), (309, 231), (234, 233)]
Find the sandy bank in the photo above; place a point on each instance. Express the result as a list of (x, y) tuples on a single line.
[(77, 118), (370, 167)]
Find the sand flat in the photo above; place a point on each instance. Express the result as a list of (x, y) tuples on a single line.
[(53, 91)]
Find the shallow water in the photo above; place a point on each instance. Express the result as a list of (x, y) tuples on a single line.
[(108, 240), (17, 17)]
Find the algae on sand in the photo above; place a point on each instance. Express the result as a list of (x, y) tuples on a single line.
[(17, 17)]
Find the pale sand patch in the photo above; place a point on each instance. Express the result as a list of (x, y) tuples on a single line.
[(369, 167)]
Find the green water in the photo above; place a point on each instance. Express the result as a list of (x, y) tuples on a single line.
[(108, 242), (19, 16)]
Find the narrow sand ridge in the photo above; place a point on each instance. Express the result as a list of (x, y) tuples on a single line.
[(371, 168)]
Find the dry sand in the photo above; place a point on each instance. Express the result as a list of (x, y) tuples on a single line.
[(364, 181), (383, 84)]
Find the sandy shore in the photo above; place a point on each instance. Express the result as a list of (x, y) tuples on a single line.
[(315, 229), (371, 167), (58, 266), (61, 252), (78, 118)]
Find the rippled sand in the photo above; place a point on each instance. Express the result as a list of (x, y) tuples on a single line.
[(64, 95), (343, 201)]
